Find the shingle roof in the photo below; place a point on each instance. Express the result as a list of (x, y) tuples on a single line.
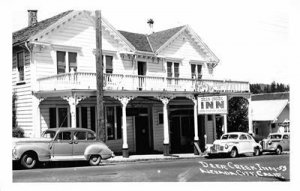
[(25, 33), (139, 41), (157, 39)]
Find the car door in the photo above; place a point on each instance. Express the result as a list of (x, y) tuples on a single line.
[(62, 147), (243, 144), (251, 144), (80, 143)]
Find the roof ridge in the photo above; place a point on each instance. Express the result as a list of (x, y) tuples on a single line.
[(149, 43)]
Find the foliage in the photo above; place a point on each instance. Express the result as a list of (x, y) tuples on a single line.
[(237, 115), (18, 132), (269, 88)]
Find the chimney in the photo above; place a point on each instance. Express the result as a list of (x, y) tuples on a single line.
[(32, 17), (150, 22)]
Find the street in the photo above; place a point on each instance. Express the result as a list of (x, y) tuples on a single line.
[(267, 167)]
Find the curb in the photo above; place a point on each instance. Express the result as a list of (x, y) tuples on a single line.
[(150, 159)]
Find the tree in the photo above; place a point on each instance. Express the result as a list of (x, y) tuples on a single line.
[(237, 115)]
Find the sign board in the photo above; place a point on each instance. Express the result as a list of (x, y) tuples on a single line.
[(212, 105)]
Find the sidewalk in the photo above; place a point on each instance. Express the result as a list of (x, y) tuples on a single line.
[(152, 157)]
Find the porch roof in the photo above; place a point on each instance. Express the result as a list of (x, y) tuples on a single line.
[(267, 110)]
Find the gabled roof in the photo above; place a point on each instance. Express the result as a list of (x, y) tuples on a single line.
[(25, 33), (267, 110), (158, 39), (139, 41), (152, 43)]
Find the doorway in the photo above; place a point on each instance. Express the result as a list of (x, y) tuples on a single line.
[(141, 73)]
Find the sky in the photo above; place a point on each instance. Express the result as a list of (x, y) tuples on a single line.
[(249, 37)]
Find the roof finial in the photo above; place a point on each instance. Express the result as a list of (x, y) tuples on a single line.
[(150, 23)]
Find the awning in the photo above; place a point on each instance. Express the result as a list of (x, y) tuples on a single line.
[(267, 110)]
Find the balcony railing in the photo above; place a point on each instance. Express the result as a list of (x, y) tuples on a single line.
[(81, 80)]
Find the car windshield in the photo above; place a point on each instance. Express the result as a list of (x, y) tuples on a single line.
[(48, 134), (229, 136), (275, 136)]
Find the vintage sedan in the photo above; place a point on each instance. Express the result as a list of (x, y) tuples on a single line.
[(276, 142), (60, 144), (233, 144)]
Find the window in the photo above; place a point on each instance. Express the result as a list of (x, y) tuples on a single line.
[(80, 135), (61, 62), (58, 117), (64, 136), (62, 117), (72, 61), (243, 137), (110, 122), (160, 118), (65, 63), (84, 121), (93, 118), (20, 65), (196, 70), (91, 136), (109, 64), (113, 122), (173, 69), (285, 137)]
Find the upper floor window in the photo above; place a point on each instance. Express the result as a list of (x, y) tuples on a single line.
[(66, 61), (20, 65), (109, 64), (196, 70), (172, 69)]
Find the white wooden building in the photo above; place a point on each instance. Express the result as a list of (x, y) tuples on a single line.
[(151, 84)]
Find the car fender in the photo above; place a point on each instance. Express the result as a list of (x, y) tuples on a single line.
[(42, 151), (94, 149)]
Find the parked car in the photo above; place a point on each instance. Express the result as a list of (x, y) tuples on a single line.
[(60, 144), (276, 142), (233, 144)]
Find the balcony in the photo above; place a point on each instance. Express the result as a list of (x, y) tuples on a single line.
[(80, 80)]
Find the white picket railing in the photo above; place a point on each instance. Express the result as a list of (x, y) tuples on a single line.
[(82, 80)]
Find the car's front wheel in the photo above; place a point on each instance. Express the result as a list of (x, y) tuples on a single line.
[(233, 153), (95, 160), (278, 150), (28, 160)]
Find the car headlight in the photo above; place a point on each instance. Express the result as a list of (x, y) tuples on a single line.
[(270, 142), (226, 146)]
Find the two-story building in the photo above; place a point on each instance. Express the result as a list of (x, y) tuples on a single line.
[(151, 83)]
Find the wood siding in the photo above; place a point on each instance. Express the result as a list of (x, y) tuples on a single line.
[(23, 95)]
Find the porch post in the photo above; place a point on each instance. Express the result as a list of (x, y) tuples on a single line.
[(196, 137), (73, 101), (124, 101), (36, 116), (250, 116), (225, 123), (165, 101)]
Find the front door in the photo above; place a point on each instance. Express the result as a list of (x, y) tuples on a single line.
[(142, 134), (141, 74), (175, 134)]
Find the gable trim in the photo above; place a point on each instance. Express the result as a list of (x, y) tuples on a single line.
[(56, 25)]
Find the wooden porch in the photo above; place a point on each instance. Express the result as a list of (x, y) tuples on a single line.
[(82, 80)]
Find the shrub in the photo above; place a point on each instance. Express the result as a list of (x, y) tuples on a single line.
[(18, 132)]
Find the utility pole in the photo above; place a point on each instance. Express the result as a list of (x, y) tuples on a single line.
[(100, 130)]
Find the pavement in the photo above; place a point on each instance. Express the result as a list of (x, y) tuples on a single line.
[(152, 157)]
